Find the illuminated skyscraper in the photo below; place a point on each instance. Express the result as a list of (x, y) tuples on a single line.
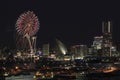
[(79, 51), (107, 38), (45, 49), (97, 45)]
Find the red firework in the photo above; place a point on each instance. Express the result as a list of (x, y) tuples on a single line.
[(27, 23)]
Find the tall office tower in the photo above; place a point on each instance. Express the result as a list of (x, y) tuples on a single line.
[(107, 38), (97, 45), (79, 51), (45, 49)]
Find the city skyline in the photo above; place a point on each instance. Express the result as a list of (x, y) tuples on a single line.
[(69, 21)]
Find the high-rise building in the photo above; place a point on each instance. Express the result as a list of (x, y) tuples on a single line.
[(107, 38), (97, 45), (45, 49), (79, 51)]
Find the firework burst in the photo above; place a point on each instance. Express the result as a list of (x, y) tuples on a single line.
[(27, 23)]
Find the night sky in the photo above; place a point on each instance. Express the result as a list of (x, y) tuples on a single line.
[(68, 20)]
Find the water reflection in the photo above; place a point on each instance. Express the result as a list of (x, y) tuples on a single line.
[(83, 77), (99, 78)]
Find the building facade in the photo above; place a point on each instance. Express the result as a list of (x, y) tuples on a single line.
[(79, 51), (107, 38), (45, 49)]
